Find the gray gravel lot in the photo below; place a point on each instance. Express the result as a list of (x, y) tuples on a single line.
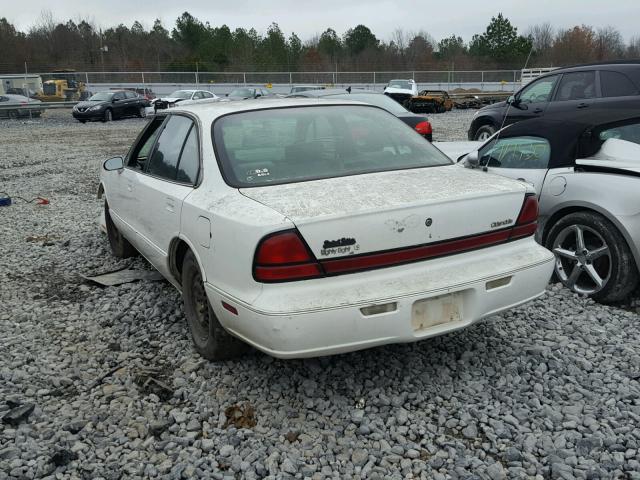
[(548, 390)]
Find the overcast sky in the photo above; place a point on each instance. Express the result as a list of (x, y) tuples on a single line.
[(307, 18)]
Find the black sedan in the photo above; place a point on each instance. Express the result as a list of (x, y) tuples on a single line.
[(419, 123), (107, 106)]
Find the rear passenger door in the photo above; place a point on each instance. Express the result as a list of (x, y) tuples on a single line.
[(617, 91), (576, 91), (170, 175)]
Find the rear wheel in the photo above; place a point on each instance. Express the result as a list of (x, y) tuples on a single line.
[(108, 115), (592, 257), (142, 112), (484, 132), (210, 339), (13, 114), (120, 246)]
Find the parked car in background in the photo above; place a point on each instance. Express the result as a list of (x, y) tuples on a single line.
[(585, 167), (304, 88), (107, 106), (420, 123), (429, 101), (144, 92), (401, 90), (310, 228), (572, 89), (25, 92), (15, 106), (246, 93), (180, 96)]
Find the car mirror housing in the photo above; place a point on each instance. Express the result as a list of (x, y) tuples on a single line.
[(471, 160), (115, 163)]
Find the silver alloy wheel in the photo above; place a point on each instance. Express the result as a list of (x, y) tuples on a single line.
[(142, 112), (108, 116), (583, 259), (484, 136)]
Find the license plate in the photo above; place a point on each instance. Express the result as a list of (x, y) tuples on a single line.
[(436, 311)]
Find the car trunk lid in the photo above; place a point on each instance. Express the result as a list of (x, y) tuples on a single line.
[(384, 211)]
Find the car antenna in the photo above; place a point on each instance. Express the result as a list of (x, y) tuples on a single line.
[(506, 114)]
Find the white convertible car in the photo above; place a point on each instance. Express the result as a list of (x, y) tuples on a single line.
[(308, 228)]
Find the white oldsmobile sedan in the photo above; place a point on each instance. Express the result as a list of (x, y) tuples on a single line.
[(307, 228)]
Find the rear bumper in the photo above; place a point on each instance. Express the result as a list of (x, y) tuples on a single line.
[(325, 317)]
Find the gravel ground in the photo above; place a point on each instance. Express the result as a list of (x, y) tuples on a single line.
[(103, 382)]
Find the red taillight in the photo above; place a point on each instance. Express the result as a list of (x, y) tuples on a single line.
[(283, 257), (424, 128), (527, 223)]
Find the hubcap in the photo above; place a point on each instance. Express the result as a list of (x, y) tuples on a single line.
[(583, 259), (483, 136), (200, 307)]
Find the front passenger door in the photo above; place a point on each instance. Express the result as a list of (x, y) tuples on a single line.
[(532, 100), (520, 158)]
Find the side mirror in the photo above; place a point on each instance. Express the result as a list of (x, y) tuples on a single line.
[(471, 160), (512, 100), (258, 95), (115, 163)]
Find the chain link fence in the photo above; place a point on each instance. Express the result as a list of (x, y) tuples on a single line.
[(281, 82)]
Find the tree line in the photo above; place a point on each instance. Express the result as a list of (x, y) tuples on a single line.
[(192, 44)]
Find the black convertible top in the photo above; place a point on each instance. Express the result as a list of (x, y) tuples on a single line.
[(571, 134)]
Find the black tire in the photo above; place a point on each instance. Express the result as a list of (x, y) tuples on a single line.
[(605, 254), (210, 339), (108, 115), (82, 121), (484, 132), (120, 246), (142, 112), (13, 114), (440, 109)]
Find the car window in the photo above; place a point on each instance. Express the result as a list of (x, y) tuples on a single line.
[(615, 84), (517, 152), (140, 152), (164, 159), (287, 145), (577, 86), (207, 95), (539, 90), (119, 96), (630, 133), (198, 96), (131, 95), (4, 99), (189, 158)]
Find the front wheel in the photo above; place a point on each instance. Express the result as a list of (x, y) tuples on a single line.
[(484, 132), (210, 339), (108, 115), (13, 114), (142, 112), (592, 257)]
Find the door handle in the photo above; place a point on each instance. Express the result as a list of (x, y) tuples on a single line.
[(170, 205), (538, 110), (583, 105)]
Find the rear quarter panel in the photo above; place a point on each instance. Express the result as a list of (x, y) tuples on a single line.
[(611, 195)]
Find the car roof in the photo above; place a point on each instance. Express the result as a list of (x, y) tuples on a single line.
[(327, 92), (209, 111), (564, 131)]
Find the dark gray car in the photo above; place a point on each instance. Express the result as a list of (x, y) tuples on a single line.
[(565, 90)]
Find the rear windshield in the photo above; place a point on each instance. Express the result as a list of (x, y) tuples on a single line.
[(400, 84), (285, 145), (181, 94)]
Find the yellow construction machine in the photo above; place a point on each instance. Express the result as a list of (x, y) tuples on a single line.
[(63, 85)]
